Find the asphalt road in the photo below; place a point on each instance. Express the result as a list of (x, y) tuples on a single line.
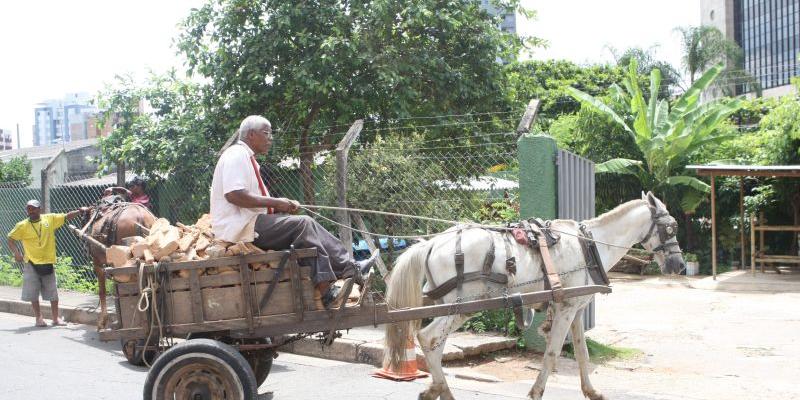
[(70, 362)]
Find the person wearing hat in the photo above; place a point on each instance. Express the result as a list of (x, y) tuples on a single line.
[(37, 234), (134, 193)]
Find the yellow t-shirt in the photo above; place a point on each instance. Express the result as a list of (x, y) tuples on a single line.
[(39, 238)]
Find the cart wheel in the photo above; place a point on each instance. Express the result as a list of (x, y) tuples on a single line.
[(200, 369), (137, 356), (260, 361)]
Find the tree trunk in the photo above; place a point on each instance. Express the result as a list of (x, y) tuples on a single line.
[(307, 157)]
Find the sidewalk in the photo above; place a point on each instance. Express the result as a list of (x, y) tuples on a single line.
[(362, 345)]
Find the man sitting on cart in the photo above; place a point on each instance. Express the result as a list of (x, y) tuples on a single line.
[(242, 210)]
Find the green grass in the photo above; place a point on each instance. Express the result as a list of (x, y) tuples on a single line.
[(70, 277), (599, 352)]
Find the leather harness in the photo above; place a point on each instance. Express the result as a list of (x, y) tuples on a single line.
[(538, 235)]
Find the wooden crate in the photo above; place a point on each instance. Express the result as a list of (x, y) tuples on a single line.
[(206, 298)]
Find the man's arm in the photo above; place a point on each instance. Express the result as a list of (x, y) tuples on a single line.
[(242, 198), (75, 213), (12, 244)]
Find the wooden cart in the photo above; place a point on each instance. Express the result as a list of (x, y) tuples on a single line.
[(235, 321)]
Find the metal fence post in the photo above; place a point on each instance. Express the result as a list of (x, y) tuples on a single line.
[(345, 234)]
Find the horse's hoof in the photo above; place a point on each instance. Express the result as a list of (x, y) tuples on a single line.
[(446, 395), (429, 394), (535, 394), (594, 395)]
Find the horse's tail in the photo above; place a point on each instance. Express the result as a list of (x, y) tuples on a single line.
[(404, 289)]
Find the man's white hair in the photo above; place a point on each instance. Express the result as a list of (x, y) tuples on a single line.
[(252, 123)]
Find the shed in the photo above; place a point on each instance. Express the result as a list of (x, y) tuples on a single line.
[(777, 171)]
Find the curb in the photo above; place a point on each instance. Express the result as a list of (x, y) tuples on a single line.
[(76, 315), (458, 346)]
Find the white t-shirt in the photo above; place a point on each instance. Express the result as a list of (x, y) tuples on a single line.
[(234, 171)]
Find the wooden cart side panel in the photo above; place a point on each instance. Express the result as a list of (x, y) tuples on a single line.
[(225, 279), (129, 314)]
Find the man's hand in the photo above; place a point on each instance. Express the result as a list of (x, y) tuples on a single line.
[(287, 206), (18, 257)]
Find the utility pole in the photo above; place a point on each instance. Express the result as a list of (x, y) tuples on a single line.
[(18, 144)]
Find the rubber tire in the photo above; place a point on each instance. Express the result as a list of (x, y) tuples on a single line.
[(260, 361), (135, 357), (219, 352)]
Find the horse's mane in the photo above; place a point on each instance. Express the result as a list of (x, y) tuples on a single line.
[(615, 213)]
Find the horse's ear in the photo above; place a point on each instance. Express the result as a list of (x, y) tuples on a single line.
[(651, 198), (644, 196)]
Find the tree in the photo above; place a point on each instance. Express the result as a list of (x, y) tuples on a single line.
[(314, 67), (15, 172), (548, 81), (162, 130), (646, 62), (666, 135), (704, 46)]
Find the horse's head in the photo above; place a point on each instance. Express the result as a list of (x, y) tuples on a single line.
[(661, 237)]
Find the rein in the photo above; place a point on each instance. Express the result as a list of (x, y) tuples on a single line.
[(309, 208)]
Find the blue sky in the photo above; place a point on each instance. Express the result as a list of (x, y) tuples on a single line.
[(51, 47)]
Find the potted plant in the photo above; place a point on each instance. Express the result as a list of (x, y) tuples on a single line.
[(692, 266)]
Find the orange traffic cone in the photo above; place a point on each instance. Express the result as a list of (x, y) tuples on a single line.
[(406, 368)]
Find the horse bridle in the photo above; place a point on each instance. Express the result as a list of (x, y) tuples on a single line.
[(666, 231)]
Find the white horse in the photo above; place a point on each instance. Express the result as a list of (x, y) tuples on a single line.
[(643, 221)]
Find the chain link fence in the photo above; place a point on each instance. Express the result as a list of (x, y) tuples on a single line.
[(447, 171)]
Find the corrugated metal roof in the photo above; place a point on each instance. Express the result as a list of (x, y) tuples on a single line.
[(47, 151), (746, 170)]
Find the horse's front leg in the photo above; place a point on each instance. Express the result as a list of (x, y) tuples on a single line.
[(101, 289), (582, 356), (432, 340), (555, 340)]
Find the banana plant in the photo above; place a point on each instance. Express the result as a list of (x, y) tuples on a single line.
[(666, 135)]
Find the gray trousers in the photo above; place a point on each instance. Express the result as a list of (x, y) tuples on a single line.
[(279, 231)]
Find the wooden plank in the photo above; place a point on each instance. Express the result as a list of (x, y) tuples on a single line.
[(753, 245), (179, 284), (713, 228), (317, 321), (778, 259), (761, 237), (297, 289), (197, 300), (247, 294), (741, 224), (220, 262), (342, 150), (777, 228), (528, 118)]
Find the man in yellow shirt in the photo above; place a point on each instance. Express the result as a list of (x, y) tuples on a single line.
[(38, 237)]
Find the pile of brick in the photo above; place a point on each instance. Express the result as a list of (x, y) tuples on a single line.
[(170, 243)]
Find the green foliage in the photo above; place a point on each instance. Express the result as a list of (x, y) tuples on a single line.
[(548, 81), (16, 171), (161, 131), (704, 46), (646, 62), (599, 352), (689, 257), (666, 136), (311, 66), (70, 277), (492, 321)]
